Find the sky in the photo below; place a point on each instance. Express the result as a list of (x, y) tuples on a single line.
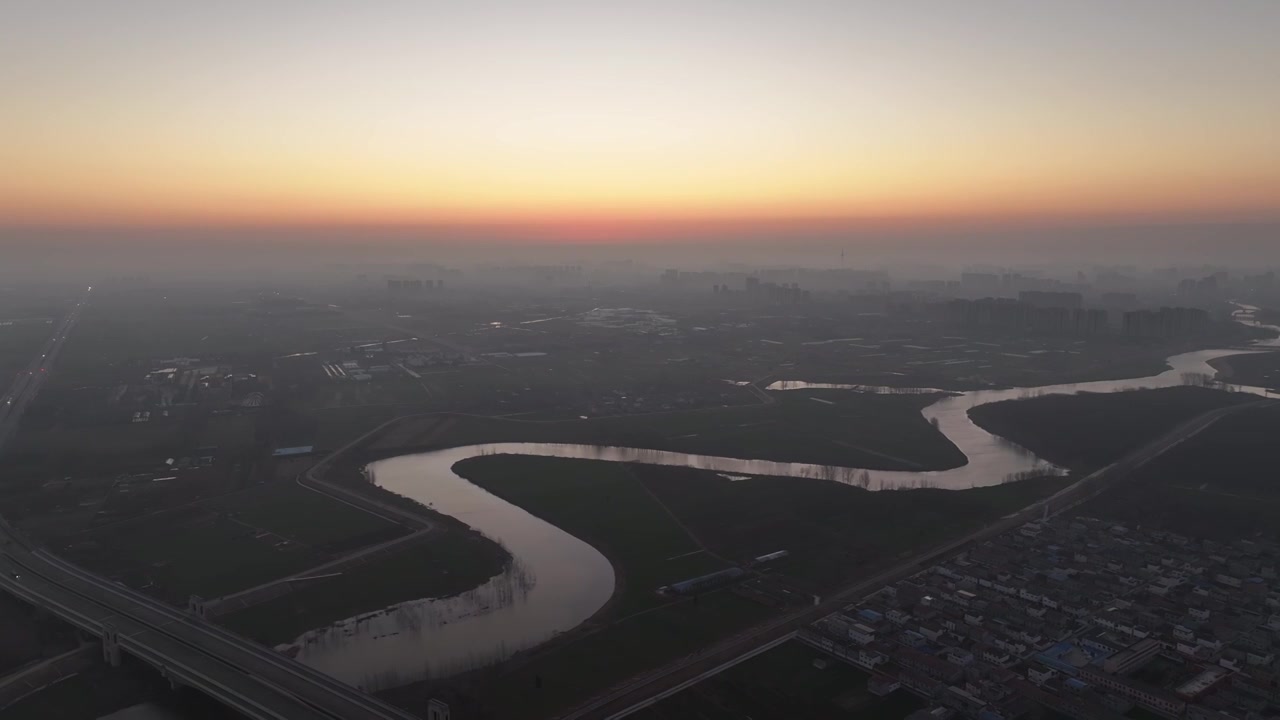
[(583, 120)]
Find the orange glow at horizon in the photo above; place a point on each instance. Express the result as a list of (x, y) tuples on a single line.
[(589, 123)]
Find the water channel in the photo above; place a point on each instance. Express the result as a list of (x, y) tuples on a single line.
[(558, 581)]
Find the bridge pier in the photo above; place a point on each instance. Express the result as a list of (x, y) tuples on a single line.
[(110, 646), (197, 606), (167, 674), (437, 710)]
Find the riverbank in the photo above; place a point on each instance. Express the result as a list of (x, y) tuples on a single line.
[(439, 565), (1257, 369)]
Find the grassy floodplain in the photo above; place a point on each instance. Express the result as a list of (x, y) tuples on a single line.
[(1089, 430), (648, 519)]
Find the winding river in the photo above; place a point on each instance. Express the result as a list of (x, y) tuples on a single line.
[(558, 581)]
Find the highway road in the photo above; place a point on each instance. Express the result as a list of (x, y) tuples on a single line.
[(642, 691), (28, 381), (246, 676)]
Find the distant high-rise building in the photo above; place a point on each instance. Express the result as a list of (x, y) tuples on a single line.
[(1089, 322), (1165, 322), (1017, 316), (1047, 299), (979, 281), (1120, 300)]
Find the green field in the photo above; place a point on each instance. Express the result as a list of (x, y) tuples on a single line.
[(608, 507), (148, 442), (444, 564), (209, 556), (783, 684), (834, 532), (563, 674), (335, 427), (101, 690), (825, 427), (76, 433), (885, 432), (307, 517), (1219, 484), (83, 696), (641, 517), (1090, 430), (230, 542)]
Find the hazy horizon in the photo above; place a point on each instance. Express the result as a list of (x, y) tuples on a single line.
[(816, 123), (89, 254)]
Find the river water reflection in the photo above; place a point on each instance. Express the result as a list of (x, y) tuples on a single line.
[(558, 581), (555, 583)]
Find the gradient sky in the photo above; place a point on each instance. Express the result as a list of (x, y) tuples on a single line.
[(579, 115)]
